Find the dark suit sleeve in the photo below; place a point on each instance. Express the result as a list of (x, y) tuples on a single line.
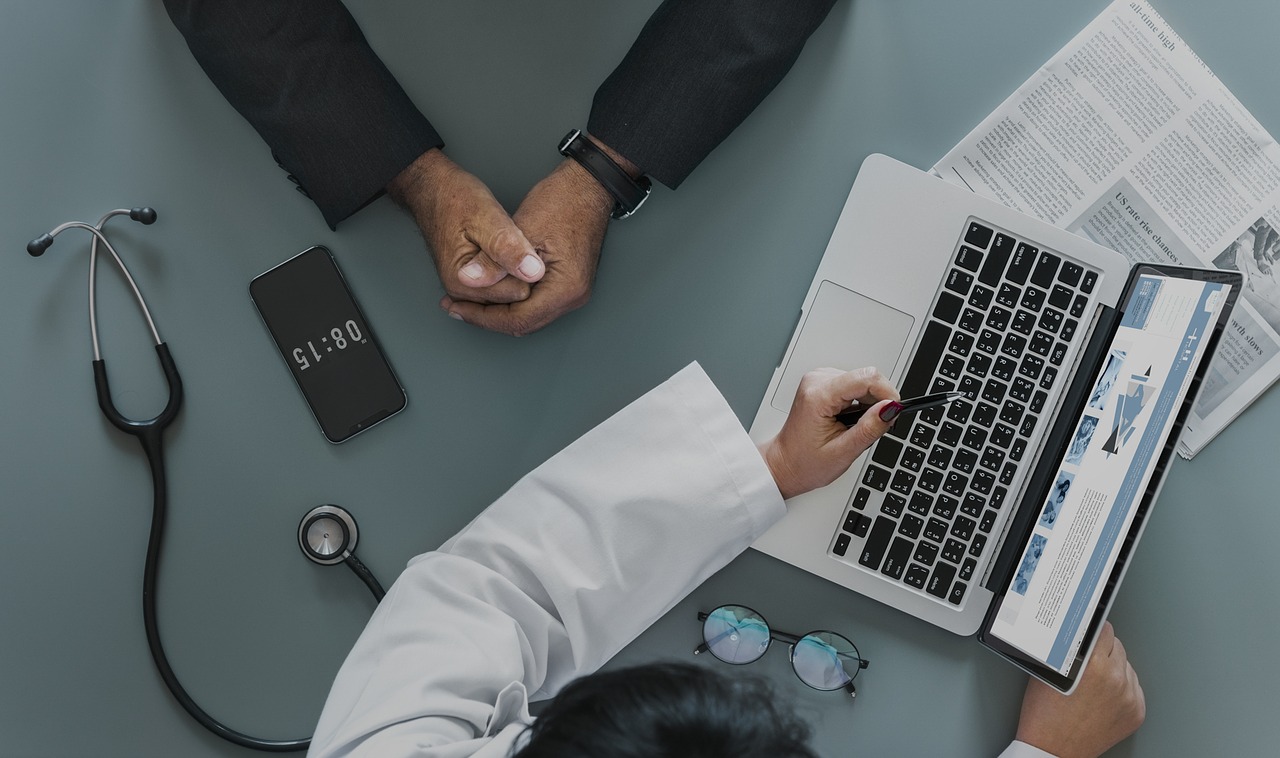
[(301, 72), (698, 68)]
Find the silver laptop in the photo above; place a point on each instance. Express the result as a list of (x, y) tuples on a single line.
[(1009, 513)]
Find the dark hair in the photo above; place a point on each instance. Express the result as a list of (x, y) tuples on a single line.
[(667, 710)]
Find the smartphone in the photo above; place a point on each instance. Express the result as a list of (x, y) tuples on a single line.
[(327, 344)]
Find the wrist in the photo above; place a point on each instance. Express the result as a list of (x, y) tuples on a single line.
[(617, 176), (773, 460), (426, 172)]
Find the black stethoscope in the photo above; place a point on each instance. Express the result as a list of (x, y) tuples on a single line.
[(327, 534)]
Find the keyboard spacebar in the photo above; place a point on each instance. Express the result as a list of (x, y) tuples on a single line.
[(920, 375)]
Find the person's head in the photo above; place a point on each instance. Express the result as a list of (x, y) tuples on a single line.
[(666, 710)]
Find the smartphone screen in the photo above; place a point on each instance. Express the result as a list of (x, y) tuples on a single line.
[(327, 344)]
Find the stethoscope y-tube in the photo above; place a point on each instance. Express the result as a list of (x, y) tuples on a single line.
[(150, 434)]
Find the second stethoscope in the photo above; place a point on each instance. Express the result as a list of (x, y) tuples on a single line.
[(327, 534)]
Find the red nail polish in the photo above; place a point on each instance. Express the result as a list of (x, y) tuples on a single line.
[(890, 411)]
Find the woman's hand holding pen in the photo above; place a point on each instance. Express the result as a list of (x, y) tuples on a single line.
[(812, 449)]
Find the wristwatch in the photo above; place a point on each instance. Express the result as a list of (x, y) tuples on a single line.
[(628, 194)]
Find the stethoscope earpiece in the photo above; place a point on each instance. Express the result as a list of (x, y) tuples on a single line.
[(327, 534)]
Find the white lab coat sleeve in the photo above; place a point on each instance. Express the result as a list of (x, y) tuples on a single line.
[(554, 578), (1023, 750)]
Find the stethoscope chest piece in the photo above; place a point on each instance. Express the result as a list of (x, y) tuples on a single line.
[(327, 534)]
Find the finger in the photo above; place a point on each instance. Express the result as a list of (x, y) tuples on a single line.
[(870, 427), (864, 385), (1106, 639), (505, 248), (1118, 654), (516, 319), (505, 290)]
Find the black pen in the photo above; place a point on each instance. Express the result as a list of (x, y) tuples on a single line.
[(910, 405)]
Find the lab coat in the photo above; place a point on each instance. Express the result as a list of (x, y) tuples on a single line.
[(553, 579)]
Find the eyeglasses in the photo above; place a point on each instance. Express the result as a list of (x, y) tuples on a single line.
[(739, 635)]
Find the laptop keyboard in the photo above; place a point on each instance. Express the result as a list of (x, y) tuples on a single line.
[(1003, 324)]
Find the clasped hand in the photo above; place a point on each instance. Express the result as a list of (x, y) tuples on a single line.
[(508, 273)]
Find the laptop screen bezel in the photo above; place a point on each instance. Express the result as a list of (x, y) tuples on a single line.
[(1033, 498)]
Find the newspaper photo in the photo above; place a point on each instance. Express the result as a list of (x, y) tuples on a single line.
[(1126, 137)]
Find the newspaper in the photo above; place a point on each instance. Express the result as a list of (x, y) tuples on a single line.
[(1126, 137)]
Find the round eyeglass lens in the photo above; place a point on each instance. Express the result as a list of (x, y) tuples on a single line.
[(824, 660), (735, 634)]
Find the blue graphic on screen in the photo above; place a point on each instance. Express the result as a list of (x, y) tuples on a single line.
[(1102, 390), (1080, 442), (1057, 496), (1030, 559)]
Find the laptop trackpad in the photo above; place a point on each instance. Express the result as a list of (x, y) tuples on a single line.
[(844, 330)]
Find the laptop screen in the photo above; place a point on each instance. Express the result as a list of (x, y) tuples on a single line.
[(1113, 464)]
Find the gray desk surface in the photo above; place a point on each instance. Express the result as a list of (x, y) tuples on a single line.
[(103, 106)]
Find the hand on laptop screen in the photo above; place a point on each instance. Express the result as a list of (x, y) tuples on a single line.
[(813, 448), (1106, 707)]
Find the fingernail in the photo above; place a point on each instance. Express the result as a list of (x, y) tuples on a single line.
[(531, 266), (473, 270), (890, 411), (455, 316)]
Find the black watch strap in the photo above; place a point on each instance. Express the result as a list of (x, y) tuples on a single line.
[(629, 194)]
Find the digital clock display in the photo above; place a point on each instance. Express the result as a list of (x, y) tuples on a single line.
[(327, 344)]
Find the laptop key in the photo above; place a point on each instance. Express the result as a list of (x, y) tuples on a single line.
[(1069, 329), (932, 344), (912, 458), (964, 461), (877, 542), (997, 257), (953, 551), (920, 503), (892, 505), (967, 569), (876, 478), (940, 580), (957, 593), (887, 451), (842, 544), (962, 527), (860, 498), (926, 553), (978, 235), (998, 318), (947, 307), (916, 576), (1024, 257), (980, 297), (1090, 279), (895, 562), (1070, 273), (958, 281), (945, 506), (936, 530), (1046, 269), (1060, 297), (969, 259), (910, 526)]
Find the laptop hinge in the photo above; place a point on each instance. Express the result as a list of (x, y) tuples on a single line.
[(1054, 444)]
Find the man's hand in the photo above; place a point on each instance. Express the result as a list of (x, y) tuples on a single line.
[(1107, 706), (565, 216), (813, 449), (480, 253)]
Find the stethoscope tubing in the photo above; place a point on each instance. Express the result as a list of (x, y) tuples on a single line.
[(150, 435)]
